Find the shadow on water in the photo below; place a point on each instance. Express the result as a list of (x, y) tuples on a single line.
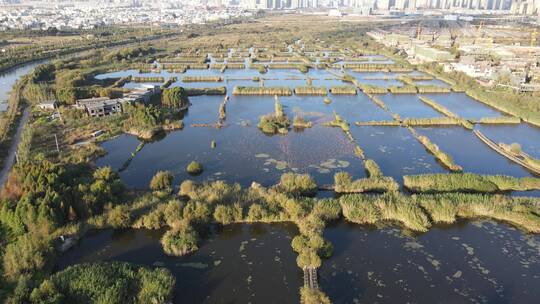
[(237, 263)]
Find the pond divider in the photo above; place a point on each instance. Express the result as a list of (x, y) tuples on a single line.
[(505, 153)]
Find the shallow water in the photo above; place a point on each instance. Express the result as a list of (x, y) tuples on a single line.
[(478, 262), (244, 154), (236, 264), (409, 106), (471, 153)]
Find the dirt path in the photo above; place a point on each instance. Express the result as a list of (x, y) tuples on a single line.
[(10, 159)]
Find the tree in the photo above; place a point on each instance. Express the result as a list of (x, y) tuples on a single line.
[(162, 181), (119, 217), (175, 97)]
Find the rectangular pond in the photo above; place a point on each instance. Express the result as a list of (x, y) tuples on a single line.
[(471, 153)]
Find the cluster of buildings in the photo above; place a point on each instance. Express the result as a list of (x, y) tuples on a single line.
[(102, 106), (65, 15), (529, 7), (86, 14), (516, 65)]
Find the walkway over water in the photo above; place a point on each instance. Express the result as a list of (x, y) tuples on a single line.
[(310, 277)]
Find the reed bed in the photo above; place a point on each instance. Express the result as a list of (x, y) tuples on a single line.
[(423, 89), (441, 156), (189, 60), (420, 212), (174, 66), (314, 91), (407, 89), (436, 121), (148, 79), (343, 90), (206, 91), (372, 89), (235, 60), (254, 91), (202, 79), (468, 182), (198, 66), (383, 123), (343, 183), (499, 120)]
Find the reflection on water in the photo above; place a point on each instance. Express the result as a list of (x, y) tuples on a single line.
[(235, 264), (243, 154)]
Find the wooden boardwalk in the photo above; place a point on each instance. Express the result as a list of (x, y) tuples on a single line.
[(310, 277), (504, 153)]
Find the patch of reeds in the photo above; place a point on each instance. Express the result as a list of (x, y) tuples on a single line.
[(202, 79), (343, 90), (253, 91), (469, 182), (317, 91)]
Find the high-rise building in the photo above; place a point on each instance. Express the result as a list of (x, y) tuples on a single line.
[(383, 5)]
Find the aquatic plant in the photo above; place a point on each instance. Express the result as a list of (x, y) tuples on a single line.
[(393, 123), (443, 157), (162, 181), (206, 91), (148, 79), (180, 240), (339, 123), (372, 168), (500, 120), (468, 182), (300, 123), (372, 89), (343, 183), (280, 91), (403, 89), (275, 123), (194, 168), (202, 79), (320, 91), (297, 184), (343, 90), (364, 209)]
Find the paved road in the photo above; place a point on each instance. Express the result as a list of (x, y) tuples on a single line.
[(10, 160)]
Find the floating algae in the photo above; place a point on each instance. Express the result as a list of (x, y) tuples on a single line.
[(281, 165), (242, 246)]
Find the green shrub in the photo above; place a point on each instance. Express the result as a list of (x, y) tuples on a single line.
[(113, 283), (194, 168), (297, 184), (180, 240), (119, 217), (162, 181)]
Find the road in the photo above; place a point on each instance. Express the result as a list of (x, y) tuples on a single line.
[(10, 160)]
